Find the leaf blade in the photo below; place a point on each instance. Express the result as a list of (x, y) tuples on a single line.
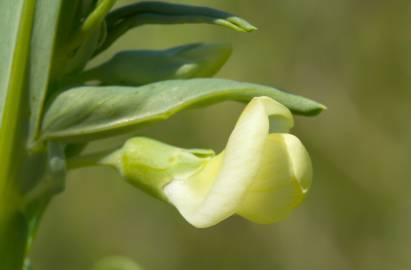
[(139, 67), (41, 56), (85, 113), (152, 12), (9, 29)]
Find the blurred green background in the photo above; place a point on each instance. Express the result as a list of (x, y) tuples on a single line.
[(355, 57)]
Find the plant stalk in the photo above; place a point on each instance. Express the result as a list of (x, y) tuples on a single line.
[(13, 239), (14, 229)]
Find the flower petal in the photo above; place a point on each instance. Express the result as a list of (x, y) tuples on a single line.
[(283, 179), (230, 174)]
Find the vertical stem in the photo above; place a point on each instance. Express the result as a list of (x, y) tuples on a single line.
[(13, 238), (13, 224)]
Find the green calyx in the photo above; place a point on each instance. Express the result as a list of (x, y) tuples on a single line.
[(150, 165)]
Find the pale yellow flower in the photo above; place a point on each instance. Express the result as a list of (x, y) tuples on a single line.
[(262, 174)]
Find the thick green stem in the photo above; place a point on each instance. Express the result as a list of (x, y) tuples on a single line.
[(13, 240), (14, 229)]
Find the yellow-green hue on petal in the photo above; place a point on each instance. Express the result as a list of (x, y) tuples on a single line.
[(277, 188), (234, 174), (300, 161)]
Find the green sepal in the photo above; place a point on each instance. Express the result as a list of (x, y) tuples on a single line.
[(149, 164)]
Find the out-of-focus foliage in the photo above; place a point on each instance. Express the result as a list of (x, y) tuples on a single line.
[(353, 56), (116, 263)]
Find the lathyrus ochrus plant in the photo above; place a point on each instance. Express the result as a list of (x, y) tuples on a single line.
[(49, 110)]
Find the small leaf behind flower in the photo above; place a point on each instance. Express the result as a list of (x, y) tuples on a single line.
[(152, 12), (140, 67), (87, 113)]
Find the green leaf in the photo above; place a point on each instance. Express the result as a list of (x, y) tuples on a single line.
[(152, 12), (147, 66), (69, 23), (79, 35), (96, 17), (87, 113), (41, 52), (15, 32), (9, 30)]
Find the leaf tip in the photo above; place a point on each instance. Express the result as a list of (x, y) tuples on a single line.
[(242, 24), (316, 109)]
